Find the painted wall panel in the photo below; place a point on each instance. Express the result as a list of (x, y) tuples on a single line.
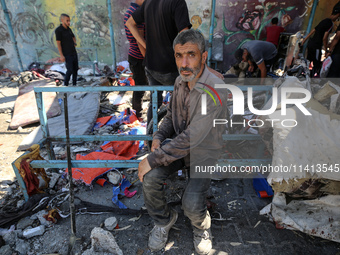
[(34, 22)]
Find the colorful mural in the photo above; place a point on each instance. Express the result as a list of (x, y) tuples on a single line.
[(252, 23), (34, 22)]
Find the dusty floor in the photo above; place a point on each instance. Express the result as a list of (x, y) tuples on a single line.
[(10, 139)]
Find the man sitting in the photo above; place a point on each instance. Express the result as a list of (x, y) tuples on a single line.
[(195, 143)]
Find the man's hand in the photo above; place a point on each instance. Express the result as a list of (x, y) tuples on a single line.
[(156, 143), (251, 68), (143, 168), (62, 59)]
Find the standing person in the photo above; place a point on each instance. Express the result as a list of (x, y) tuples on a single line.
[(320, 38), (195, 142), (135, 58), (163, 19), (257, 52), (334, 52), (274, 31), (66, 43)]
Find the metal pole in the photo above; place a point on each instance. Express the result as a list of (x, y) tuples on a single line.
[(71, 190), (211, 31), (44, 124), (310, 22), (112, 34), (11, 33)]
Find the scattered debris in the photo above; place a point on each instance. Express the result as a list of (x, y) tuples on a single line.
[(31, 232), (110, 223), (103, 241), (258, 223), (135, 218), (235, 244), (123, 228)]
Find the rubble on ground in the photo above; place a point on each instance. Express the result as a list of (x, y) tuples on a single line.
[(35, 234)]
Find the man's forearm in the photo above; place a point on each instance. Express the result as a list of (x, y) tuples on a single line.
[(59, 49), (132, 26), (141, 48), (307, 37), (325, 40)]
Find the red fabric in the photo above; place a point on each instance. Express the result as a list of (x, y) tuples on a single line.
[(263, 194), (126, 149), (87, 175), (132, 81), (120, 68), (103, 120), (101, 182), (273, 34), (115, 150), (31, 180), (132, 117)]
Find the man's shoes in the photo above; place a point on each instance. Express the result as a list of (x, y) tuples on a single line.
[(202, 241), (159, 234)]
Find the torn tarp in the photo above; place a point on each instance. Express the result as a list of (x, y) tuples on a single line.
[(87, 175), (127, 116), (123, 190), (102, 121), (126, 149), (318, 217), (115, 150)]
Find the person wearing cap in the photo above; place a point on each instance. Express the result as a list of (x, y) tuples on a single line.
[(320, 38)]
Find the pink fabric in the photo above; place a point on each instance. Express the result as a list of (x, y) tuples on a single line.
[(129, 194), (25, 108)]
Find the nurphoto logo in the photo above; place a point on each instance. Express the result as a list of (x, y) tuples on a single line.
[(239, 102)]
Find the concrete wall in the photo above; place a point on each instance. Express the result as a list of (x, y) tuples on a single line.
[(34, 22)]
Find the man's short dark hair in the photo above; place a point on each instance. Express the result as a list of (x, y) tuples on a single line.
[(238, 55), (190, 36), (275, 21), (64, 15), (336, 9)]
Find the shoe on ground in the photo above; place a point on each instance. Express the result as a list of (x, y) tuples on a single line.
[(159, 234), (202, 241)]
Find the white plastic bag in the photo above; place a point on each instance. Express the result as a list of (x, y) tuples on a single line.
[(325, 67)]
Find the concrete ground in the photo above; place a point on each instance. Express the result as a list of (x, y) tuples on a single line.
[(243, 231)]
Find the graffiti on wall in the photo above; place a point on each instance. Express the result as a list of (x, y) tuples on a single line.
[(308, 5), (33, 26), (251, 24), (4, 35), (93, 26), (30, 26)]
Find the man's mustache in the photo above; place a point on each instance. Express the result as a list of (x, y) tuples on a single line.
[(186, 69)]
